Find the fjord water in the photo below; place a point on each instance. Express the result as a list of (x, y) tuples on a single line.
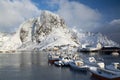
[(35, 66)]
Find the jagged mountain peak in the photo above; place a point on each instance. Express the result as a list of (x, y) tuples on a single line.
[(52, 20), (42, 25)]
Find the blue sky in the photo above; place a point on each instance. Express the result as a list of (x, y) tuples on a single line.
[(89, 15), (106, 13), (110, 9)]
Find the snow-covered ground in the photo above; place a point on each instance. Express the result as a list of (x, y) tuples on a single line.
[(3, 38), (49, 30)]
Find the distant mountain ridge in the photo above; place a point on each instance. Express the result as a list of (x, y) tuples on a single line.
[(95, 38)]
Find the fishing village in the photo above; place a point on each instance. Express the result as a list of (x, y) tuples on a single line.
[(79, 62)]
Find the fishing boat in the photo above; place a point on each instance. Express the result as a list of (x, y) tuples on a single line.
[(92, 49), (64, 61), (59, 63), (89, 48), (78, 65), (115, 53), (111, 49), (114, 67), (91, 61), (52, 58), (102, 73)]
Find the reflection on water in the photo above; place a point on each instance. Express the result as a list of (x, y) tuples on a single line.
[(23, 59), (9, 60), (34, 66)]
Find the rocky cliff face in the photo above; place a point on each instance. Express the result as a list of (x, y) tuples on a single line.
[(37, 28)]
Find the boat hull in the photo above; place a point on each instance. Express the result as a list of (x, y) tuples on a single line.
[(90, 49), (58, 63), (52, 61), (103, 78), (84, 68)]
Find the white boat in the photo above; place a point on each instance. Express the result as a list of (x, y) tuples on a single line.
[(104, 74), (59, 63), (114, 67), (115, 53), (64, 61), (78, 65), (91, 61), (89, 48)]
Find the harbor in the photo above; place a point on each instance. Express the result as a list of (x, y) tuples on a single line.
[(96, 66), (36, 65)]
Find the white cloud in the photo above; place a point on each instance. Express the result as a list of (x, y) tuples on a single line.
[(78, 14), (115, 22), (114, 26), (112, 30), (14, 12)]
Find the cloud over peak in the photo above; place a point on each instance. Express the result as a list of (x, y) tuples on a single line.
[(115, 22), (14, 12), (78, 14)]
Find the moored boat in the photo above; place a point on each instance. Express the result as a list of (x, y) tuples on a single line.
[(92, 49), (111, 49), (114, 67), (104, 74), (115, 53), (64, 61), (78, 65), (91, 61), (59, 63), (89, 48), (53, 58)]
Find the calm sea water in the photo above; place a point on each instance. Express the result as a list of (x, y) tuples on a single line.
[(35, 66)]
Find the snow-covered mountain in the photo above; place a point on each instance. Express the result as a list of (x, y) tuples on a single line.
[(48, 30)]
